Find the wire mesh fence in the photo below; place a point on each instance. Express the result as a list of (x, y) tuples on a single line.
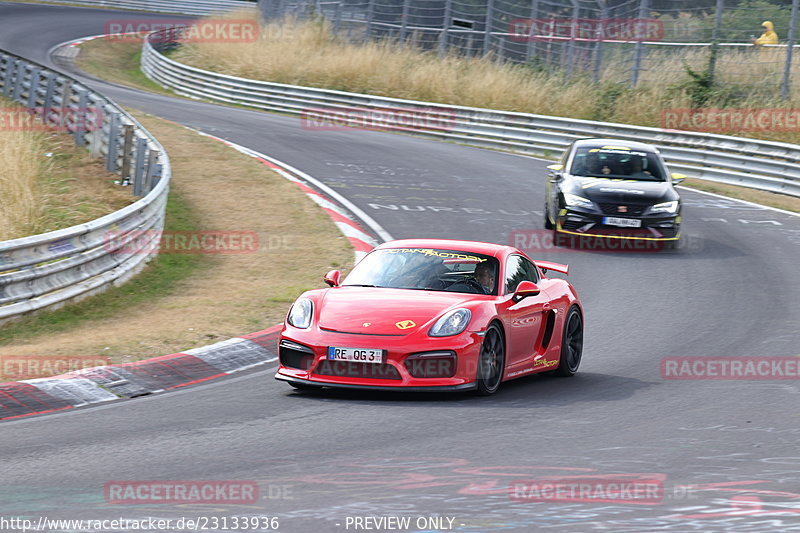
[(619, 41)]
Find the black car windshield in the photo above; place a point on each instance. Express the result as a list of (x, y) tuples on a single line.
[(426, 269), (616, 162)]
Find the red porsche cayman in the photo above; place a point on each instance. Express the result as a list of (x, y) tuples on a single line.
[(433, 315)]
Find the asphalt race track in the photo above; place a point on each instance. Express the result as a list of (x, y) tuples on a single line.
[(727, 452)]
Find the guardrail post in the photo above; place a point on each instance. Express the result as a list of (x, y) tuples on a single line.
[(113, 142), (80, 118), (152, 167), (138, 168), (19, 82), (487, 30), (50, 90), (404, 21), (66, 102), (787, 71), (571, 43), (598, 49), (33, 88), (445, 36), (127, 146), (370, 11), (337, 18), (531, 49), (10, 68), (712, 58), (644, 8)]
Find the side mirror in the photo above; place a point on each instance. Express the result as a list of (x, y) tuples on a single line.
[(556, 168), (526, 288), (333, 278), (678, 178)]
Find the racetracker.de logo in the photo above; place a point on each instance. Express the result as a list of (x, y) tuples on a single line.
[(730, 368), (51, 118), (17, 367), (567, 29), (538, 241), (181, 242), (732, 120), (643, 489), (171, 492), (204, 31), (376, 118)]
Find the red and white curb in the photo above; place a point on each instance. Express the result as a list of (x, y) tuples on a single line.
[(129, 380)]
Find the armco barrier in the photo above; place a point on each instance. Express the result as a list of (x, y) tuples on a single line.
[(184, 7), (770, 166), (52, 268)]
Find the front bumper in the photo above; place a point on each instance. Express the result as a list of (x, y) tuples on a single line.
[(439, 388), (304, 360), (584, 223)]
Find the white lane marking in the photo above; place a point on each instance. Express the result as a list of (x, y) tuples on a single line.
[(785, 212), (365, 218)]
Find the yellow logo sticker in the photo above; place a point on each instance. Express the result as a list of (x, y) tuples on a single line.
[(405, 324)]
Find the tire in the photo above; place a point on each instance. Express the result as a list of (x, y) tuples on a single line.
[(491, 362), (548, 224), (571, 344)]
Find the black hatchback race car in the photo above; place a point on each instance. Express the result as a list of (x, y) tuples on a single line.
[(613, 189)]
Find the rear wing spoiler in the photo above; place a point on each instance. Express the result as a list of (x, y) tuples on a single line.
[(544, 266)]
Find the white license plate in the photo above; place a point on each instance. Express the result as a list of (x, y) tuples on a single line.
[(623, 222), (361, 355)]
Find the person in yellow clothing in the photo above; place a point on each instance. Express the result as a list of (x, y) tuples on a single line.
[(768, 37)]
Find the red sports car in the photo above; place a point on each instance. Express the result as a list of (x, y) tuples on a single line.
[(433, 315)]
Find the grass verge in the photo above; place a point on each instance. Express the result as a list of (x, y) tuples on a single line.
[(48, 183), (185, 300)]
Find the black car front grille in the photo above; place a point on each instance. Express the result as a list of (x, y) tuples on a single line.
[(572, 225), (352, 369), (295, 355), (629, 210)]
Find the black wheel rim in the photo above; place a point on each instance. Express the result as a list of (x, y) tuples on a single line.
[(492, 357), (574, 341)]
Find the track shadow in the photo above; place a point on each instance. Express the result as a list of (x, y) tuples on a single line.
[(533, 391)]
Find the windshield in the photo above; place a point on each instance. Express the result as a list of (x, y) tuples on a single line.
[(426, 269), (616, 162)]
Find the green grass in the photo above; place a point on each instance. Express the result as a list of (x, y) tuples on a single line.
[(162, 276)]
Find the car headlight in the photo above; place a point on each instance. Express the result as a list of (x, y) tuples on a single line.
[(451, 323), (301, 312), (573, 200), (666, 207)]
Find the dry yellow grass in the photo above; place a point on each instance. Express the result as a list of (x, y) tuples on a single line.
[(309, 54), (47, 182), (22, 161)]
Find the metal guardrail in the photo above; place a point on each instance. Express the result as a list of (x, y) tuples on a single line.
[(195, 7), (764, 165), (52, 268)]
